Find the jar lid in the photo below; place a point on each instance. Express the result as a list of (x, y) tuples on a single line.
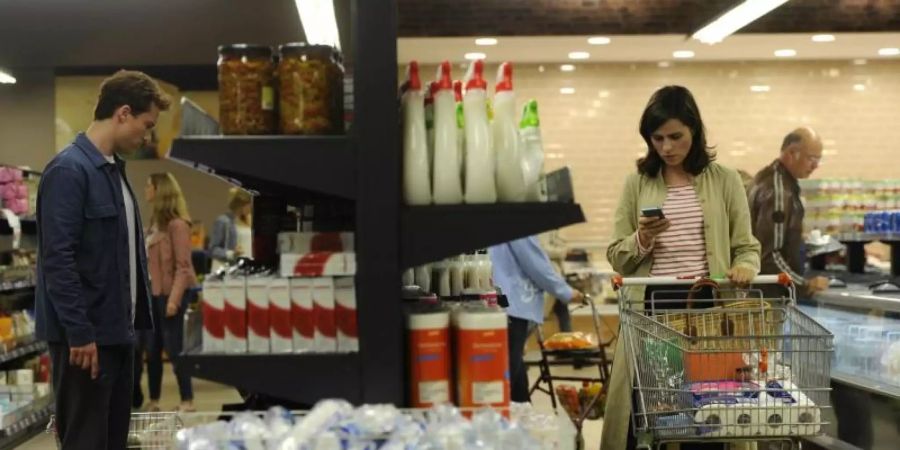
[(302, 48), (253, 50)]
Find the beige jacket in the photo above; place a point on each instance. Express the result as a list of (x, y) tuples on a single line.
[(729, 243)]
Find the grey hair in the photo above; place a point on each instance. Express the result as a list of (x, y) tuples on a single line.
[(790, 139)]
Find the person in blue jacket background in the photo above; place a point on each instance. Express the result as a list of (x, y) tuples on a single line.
[(523, 273)]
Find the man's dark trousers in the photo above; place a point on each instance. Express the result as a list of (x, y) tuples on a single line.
[(93, 414)]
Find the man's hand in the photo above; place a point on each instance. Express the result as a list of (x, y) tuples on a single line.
[(171, 309), (86, 358), (815, 285), (577, 296)]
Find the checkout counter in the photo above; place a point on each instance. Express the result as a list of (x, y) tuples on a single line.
[(862, 310)]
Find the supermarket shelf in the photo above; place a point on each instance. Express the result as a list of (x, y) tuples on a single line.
[(866, 384), (31, 424), (869, 237), (279, 165), (432, 233), (13, 286), (22, 350), (302, 378)]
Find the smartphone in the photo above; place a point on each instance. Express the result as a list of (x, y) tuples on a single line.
[(653, 212)]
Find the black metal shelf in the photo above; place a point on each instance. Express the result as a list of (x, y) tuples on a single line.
[(22, 350), (856, 252), (33, 424), (432, 233), (302, 378), (278, 165)]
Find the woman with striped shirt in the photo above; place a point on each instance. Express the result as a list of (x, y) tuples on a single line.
[(706, 230)]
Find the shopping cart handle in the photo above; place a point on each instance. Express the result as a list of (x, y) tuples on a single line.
[(618, 281)]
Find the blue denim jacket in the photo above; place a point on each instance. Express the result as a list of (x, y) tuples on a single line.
[(83, 290), (523, 271)]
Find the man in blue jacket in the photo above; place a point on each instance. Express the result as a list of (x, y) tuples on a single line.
[(523, 272), (93, 289)]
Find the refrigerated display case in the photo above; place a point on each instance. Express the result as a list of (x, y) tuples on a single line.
[(866, 367)]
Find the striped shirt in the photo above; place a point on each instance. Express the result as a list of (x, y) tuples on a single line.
[(681, 250)]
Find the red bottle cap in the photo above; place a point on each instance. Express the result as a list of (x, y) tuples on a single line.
[(445, 80), (504, 78), (476, 76)]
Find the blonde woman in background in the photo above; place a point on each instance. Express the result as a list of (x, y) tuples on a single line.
[(232, 236), (172, 276)]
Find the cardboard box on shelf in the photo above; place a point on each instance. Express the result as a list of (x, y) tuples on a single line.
[(258, 318), (236, 314), (20, 377), (213, 311), (302, 318), (321, 264), (280, 331), (302, 242), (323, 306), (345, 314)]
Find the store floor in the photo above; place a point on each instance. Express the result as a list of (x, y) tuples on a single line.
[(210, 396)]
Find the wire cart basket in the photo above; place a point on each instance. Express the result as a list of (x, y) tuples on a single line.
[(738, 367)]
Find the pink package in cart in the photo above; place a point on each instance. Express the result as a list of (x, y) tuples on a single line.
[(213, 314), (280, 331), (302, 318), (345, 314), (258, 318), (323, 307)]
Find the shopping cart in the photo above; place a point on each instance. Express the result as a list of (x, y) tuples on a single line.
[(738, 367), (583, 408)]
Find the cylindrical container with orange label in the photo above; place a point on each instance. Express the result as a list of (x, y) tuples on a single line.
[(482, 357), (429, 351)]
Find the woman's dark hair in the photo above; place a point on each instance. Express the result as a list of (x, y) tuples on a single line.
[(674, 102)]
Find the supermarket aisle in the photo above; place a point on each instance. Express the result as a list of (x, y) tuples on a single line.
[(210, 397)]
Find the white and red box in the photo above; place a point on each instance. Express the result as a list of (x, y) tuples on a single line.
[(323, 306), (213, 313), (302, 242), (318, 264), (258, 317), (302, 318), (236, 314), (281, 333), (345, 314)]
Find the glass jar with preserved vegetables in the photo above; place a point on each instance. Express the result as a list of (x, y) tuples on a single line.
[(311, 86), (246, 89)]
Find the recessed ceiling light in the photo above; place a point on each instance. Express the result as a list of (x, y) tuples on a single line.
[(760, 88), (786, 53), (823, 38), (663, 64), (485, 41), (579, 55), (682, 54), (889, 51), (859, 62), (6, 78), (541, 68), (599, 40), (472, 56), (567, 90), (567, 68), (859, 87)]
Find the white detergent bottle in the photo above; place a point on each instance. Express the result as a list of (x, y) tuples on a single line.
[(532, 152), (447, 182), (416, 171), (480, 161), (460, 129), (505, 133)]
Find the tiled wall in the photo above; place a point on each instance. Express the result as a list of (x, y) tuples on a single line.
[(855, 107)]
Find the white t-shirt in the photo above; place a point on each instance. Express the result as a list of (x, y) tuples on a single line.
[(132, 237)]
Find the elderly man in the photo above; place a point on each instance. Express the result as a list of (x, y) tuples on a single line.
[(777, 211)]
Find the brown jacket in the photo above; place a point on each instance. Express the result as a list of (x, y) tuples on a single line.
[(777, 213), (169, 260)]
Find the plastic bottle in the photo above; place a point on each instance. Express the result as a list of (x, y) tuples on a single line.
[(505, 132), (447, 182), (429, 121), (480, 160), (532, 152), (460, 129), (416, 171)]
